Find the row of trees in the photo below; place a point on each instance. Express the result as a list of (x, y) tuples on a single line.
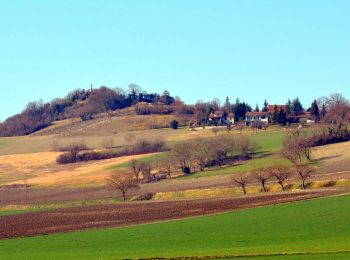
[(280, 174), (196, 155)]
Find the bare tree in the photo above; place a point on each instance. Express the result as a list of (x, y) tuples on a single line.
[(202, 152), (122, 182), (304, 172), (146, 169), (262, 175), (215, 130), (296, 147), (242, 182), (183, 156), (165, 165), (245, 146), (281, 174), (135, 167), (221, 148)]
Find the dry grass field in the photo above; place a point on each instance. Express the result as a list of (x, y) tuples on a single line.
[(333, 157), (41, 170)]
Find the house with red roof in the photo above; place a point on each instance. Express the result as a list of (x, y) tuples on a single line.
[(271, 108), (253, 118)]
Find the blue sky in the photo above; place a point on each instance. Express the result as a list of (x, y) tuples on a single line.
[(195, 49)]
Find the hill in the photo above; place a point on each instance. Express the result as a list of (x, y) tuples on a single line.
[(86, 105)]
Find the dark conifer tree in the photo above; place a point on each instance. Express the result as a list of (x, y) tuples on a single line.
[(314, 111), (274, 117), (282, 117), (265, 107)]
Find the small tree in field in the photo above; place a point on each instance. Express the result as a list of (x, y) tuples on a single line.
[(215, 130), (242, 182), (135, 167), (262, 175), (281, 174), (304, 172), (165, 165), (122, 182)]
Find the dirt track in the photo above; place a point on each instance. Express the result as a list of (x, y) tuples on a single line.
[(79, 218)]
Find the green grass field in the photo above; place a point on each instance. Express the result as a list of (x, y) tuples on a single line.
[(269, 144), (314, 227)]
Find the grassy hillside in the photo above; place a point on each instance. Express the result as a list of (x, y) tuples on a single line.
[(314, 227)]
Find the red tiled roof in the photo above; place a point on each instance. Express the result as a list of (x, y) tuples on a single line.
[(272, 108), (257, 114)]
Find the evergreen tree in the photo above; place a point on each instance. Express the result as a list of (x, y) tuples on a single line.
[(282, 117), (257, 108), (288, 107), (237, 101), (314, 111), (297, 108), (266, 106), (240, 110), (274, 116), (227, 105)]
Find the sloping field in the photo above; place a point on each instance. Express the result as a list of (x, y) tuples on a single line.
[(315, 228), (41, 169), (333, 157), (333, 152)]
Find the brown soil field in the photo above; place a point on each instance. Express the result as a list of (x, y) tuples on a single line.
[(114, 215)]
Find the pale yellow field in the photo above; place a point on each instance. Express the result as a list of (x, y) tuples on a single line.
[(332, 153), (41, 169)]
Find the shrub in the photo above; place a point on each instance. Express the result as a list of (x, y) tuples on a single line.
[(147, 196), (66, 158), (147, 146), (174, 124)]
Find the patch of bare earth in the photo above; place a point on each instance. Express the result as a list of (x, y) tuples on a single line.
[(114, 215)]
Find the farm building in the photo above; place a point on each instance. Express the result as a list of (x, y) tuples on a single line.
[(252, 118), (221, 117)]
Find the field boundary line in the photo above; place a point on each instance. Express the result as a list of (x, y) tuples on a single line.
[(239, 256)]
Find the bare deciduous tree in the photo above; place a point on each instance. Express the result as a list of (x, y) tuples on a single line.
[(123, 182), (202, 152), (135, 167), (146, 169), (304, 172), (165, 165), (297, 146), (262, 175), (241, 181), (281, 174), (183, 156), (215, 130), (245, 146)]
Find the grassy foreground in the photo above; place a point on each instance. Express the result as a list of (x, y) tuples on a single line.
[(316, 226)]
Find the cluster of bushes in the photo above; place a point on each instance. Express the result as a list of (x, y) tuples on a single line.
[(78, 152), (149, 108)]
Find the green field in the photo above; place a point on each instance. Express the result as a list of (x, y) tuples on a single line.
[(269, 144), (314, 227)]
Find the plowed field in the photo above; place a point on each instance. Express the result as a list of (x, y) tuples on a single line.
[(98, 216)]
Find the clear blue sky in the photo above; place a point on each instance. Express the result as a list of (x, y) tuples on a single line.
[(195, 49)]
